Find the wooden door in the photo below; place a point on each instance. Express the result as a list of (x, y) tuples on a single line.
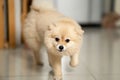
[(1, 24), (11, 23)]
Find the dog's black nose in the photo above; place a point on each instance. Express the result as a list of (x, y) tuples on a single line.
[(61, 47)]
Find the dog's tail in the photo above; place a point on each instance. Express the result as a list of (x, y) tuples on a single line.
[(41, 5)]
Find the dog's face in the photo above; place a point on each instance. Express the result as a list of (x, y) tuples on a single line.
[(63, 38)]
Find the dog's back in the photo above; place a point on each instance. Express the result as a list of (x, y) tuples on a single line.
[(41, 15)]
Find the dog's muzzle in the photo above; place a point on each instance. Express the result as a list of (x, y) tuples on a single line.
[(60, 48)]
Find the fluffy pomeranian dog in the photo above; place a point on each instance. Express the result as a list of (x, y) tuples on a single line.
[(61, 35)]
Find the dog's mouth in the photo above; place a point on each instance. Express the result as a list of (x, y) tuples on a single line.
[(60, 50)]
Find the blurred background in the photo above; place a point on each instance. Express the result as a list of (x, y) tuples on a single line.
[(100, 52), (88, 13)]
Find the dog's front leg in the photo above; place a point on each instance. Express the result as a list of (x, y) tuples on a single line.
[(74, 60), (55, 63)]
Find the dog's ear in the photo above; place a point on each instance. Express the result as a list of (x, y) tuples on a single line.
[(79, 30), (50, 27)]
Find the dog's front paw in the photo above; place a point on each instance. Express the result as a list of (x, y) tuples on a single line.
[(73, 64), (57, 77), (52, 76)]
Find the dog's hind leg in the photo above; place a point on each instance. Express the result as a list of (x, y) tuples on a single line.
[(37, 57), (31, 36), (34, 45)]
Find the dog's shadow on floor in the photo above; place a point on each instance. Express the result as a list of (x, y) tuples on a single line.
[(30, 64)]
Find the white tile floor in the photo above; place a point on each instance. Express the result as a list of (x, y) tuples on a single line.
[(99, 60)]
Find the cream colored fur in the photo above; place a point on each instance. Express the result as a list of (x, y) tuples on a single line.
[(42, 25)]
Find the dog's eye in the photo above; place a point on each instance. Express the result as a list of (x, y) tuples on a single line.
[(67, 40), (57, 39)]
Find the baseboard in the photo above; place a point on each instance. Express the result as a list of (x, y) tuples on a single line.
[(95, 25)]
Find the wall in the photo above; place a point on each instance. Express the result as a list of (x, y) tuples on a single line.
[(117, 9), (18, 21), (77, 9), (117, 6), (96, 11), (84, 11), (107, 6)]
